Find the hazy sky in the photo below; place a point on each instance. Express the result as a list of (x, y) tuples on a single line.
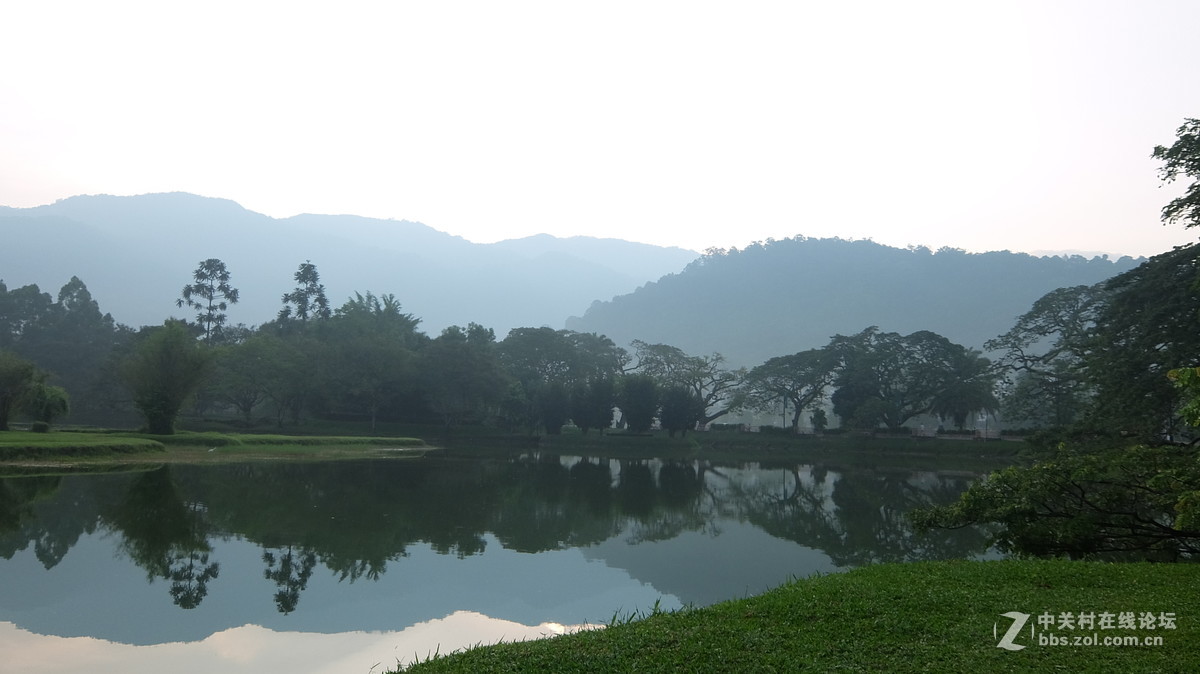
[(978, 125)]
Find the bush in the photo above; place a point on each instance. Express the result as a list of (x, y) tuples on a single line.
[(40, 427)]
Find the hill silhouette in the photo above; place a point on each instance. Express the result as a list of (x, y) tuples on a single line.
[(136, 253), (786, 296)]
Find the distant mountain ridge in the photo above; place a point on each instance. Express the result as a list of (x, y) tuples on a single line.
[(136, 253), (786, 296)]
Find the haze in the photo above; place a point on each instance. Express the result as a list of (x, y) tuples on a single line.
[(1025, 126)]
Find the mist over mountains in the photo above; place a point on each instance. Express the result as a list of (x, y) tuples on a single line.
[(136, 253), (786, 296)]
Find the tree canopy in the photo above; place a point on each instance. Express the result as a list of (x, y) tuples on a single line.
[(1182, 158)]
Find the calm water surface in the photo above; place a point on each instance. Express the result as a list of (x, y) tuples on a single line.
[(355, 566)]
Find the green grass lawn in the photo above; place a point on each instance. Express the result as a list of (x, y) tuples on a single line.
[(917, 617)]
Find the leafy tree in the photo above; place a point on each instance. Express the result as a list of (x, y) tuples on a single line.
[(1086, 503), (638, 399), (240, 374), (800, 380), (69, 338), (461, 374), (553, 406), (818, 420), (164, 370), (307, 299), (592, 404), (1045, 355), (288, 372), (888, 378), (706, 376), (970, 388), (1182, 159), (1149, 325), (551, 365), (368, 363), (46, 403), (17, 375), (681, 409), (210, 295), (19, 309)]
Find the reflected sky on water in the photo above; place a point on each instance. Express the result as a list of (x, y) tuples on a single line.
[(382, 560)]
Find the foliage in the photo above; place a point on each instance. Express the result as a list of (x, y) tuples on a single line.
[(307, 299), (461, 375), (706, 376), (682, 408), (164, 370), (800, 380), (592, 404), (637, 396), (1149, 326), (888, 378), (210, 295), (553, 367), (1182, 159), (45, 403), (818, 420), (17, 375), (69, 339), (1125, 503)]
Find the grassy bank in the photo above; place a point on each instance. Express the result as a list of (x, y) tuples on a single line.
[(732, 446), (917, 617), (109, 447)]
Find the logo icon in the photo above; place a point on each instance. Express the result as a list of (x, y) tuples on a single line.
[(1006, 642)]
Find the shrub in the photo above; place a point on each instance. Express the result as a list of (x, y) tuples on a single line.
[(40, 427)]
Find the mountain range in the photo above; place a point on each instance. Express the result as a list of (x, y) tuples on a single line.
[(136, 253)]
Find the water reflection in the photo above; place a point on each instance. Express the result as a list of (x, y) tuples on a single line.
[(527, 534), (250, 648)]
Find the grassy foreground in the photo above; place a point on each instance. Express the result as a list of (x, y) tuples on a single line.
[(916, 617)]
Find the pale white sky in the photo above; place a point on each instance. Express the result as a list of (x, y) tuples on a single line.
[(1024, 125)]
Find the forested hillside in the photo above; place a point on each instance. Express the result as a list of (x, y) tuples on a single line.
[(790, 295)]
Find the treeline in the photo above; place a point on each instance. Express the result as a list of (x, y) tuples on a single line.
[(1095, 354)]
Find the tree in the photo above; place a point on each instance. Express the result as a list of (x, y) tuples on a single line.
[(17, 375), (1149, 325), (1182, 158), (46, 403), (682, 408), (368, 361), (461, 374), (1087, 503), (210, 295), (970, 388), (638, 399), (163, 371), (818, 420), (1044, 355), (888, 378), (706, 376), (241, 371), (19, 309), (800, 380), (552, 365), (307, 299), (592, 404)]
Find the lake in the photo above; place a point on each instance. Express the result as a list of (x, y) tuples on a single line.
[(354, 566)]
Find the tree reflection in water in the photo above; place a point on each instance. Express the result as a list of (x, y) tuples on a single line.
[(355, 518)]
